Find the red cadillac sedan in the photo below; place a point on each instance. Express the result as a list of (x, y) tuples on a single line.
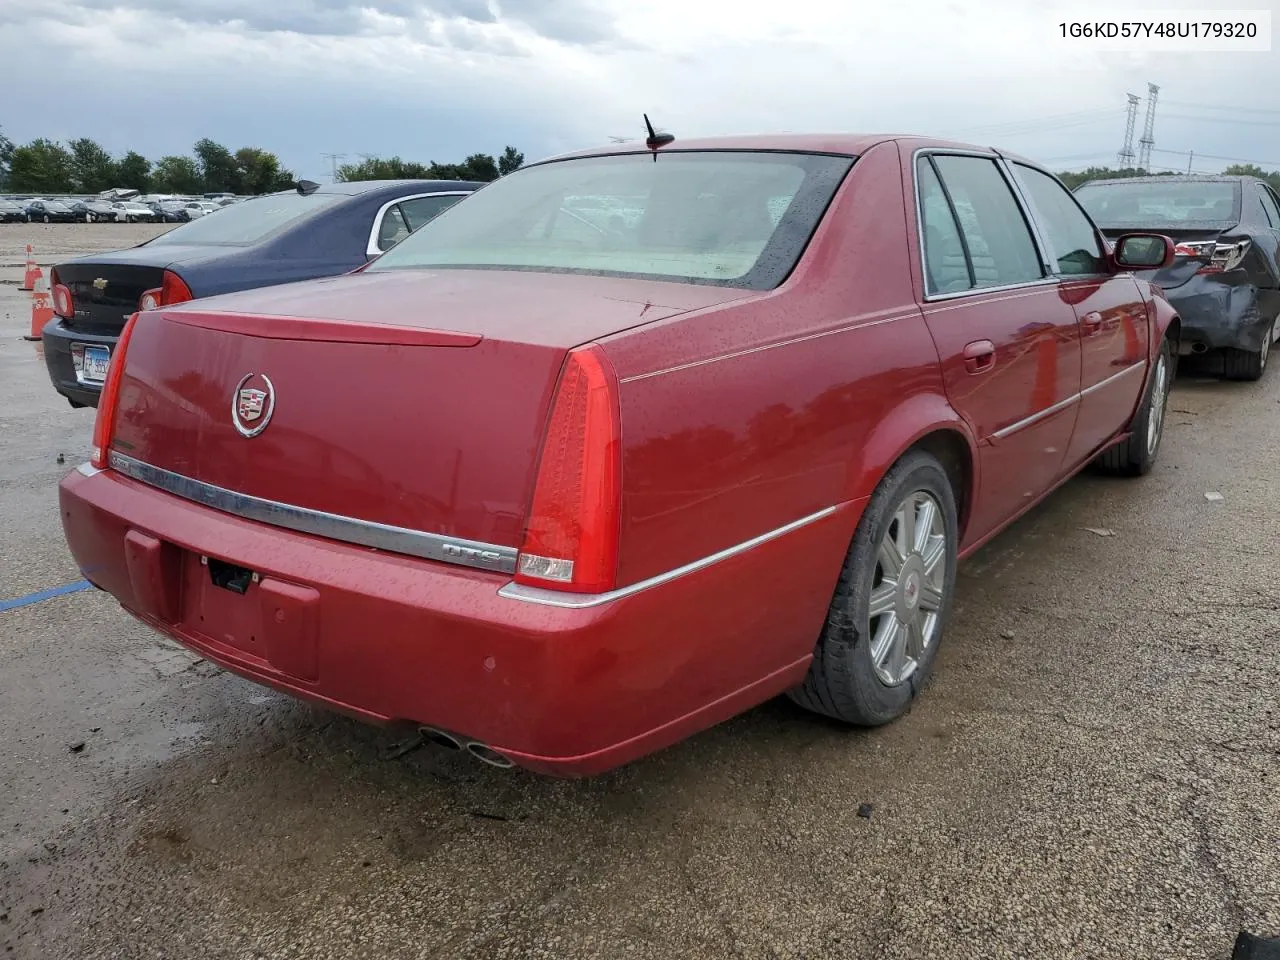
[(627, 442)]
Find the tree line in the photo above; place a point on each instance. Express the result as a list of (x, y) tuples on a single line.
[(478, 166), (84, 166)]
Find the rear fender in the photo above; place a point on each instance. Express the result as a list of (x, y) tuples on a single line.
[(905, 426)]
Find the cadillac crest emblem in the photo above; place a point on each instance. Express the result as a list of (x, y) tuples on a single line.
[(252, 406)]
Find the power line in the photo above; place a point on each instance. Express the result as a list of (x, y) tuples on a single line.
[(1050, 121), (1211, 156), (1223, 107), (1230, 120)]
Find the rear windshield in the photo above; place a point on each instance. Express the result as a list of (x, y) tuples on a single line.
[(728, 218), (250, 221), (1162, 202)]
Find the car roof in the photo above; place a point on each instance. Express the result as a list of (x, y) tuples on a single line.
[(840, 144), (1181, 178), (363, 187)]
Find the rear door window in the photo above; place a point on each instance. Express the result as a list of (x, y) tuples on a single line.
[(997, 239), (1070, 233)]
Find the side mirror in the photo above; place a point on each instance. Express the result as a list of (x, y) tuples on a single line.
[(1143, 251)]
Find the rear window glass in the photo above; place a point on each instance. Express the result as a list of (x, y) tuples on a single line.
[(250, 221), (731, 218), (1170, 202)]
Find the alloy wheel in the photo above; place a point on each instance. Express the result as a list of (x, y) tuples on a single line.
[(1159, 394), (908, 585)]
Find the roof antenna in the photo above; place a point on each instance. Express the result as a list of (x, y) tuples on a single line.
[(655, 139), (307, 187)]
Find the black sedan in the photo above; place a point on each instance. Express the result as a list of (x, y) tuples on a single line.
[(313, 231), (51, 211), (1225, 281), (11, 212)]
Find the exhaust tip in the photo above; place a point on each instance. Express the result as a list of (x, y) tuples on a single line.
[(440, 738), (491, 757), (1199, 347)]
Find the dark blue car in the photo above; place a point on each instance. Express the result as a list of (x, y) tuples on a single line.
[(314, 231)]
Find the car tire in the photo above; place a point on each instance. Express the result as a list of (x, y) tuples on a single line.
[(1249, 364), (1138, 454), (46, 218), (858, 646)]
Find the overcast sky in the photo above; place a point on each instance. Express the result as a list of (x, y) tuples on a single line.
[(439, 79)]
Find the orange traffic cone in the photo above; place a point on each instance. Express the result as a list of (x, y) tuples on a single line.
[(41, 306), (29, 278)]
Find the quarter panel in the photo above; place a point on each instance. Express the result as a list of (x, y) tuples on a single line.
[(740, 419)]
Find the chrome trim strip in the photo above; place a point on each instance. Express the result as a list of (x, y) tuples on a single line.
[(1063, 404), (87, 469), (1140, 365), (371, 248), (577, 601), (1035, 417), (769, 346), (365, 533)]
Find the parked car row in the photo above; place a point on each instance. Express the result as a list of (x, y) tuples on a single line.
[(624, 443), (103, 210)]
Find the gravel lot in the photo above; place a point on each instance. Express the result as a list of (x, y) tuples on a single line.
[(1093, 772)]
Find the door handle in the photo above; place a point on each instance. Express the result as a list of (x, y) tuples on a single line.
[(979, 356), (1092, 323)]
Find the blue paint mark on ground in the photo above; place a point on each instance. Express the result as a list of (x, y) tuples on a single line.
[(31, 598)]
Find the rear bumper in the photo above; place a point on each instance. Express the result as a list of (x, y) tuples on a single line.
[(1219, 315), (57, 340), (386, 638)]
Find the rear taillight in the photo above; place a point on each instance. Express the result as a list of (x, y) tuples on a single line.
[(62, 304), (571, 541), (104, 425), (1221, 257), (172, 290)]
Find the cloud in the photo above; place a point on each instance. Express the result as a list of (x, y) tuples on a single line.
[(568, 21), (440, 79)]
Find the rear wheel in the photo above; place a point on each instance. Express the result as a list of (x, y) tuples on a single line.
[(1137, 455), (46, 218), (891, 602), (1250, 364)]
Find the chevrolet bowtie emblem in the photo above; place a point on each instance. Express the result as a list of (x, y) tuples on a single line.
[(100, 284)]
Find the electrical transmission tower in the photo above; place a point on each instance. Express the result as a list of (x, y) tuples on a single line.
[(1149, 129), (334, 158), (1124, 159)]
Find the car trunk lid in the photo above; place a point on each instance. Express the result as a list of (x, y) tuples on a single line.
[(428, 419)]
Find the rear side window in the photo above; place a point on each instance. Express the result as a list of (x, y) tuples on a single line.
[(421, 209), (1270, 207), (1074, 242), (393, 228), (946, 266), (997, 241)]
